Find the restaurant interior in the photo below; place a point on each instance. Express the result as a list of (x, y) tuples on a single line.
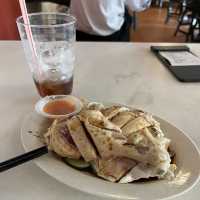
[(99, 100), (164, 20)]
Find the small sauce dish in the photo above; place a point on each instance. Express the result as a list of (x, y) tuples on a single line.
[(57, 106)]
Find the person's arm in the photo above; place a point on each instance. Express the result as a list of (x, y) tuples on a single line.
[(137, 5)]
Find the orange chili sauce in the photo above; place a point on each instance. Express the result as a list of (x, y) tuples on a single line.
[(59, 107)]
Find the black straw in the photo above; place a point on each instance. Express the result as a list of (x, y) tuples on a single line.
[(13, 162)]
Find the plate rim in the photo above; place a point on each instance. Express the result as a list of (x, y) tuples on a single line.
[(108, 195)]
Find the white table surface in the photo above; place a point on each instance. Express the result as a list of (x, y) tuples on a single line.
[(119, 72)]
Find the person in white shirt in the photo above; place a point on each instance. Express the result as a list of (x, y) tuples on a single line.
[(105, 20)]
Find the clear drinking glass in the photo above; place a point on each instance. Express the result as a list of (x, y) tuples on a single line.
[(52, 59)]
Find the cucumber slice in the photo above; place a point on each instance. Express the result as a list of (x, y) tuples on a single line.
[(93, 167), (79, 164)]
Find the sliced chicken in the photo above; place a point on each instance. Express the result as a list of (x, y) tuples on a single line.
[(95, 106), (59, 140), (122, 144), (98, 120), (114, 168), (142, 171), (112, 111), (139, 172), (135, 125), (104, 134), (123, 118), (81, 140), (147, 149)]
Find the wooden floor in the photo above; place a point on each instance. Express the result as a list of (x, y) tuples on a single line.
[(151, 27)]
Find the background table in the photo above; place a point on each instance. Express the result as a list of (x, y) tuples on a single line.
[(119, 72)]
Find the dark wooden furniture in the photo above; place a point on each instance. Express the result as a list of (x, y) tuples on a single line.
[(190, 19), (175, 8)]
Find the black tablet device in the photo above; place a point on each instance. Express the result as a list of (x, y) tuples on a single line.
[(182, 73)]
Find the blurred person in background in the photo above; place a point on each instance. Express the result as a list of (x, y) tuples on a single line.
[(9, 11), (105, 20)]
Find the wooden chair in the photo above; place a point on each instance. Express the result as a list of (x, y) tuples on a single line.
[(190, 20), (175, 8)]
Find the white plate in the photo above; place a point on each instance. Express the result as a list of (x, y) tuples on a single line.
[(187, 160)]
